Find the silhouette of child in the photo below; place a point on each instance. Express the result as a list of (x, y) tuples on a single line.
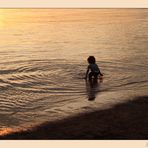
[(93, 68)]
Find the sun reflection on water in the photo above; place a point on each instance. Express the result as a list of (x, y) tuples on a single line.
[(5, 131)]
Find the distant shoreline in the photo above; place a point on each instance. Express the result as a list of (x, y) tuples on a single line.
[(124, 121)]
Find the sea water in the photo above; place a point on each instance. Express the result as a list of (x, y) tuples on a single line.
[(43, 60)]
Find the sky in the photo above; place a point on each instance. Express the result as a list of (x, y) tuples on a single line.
[(75, 3)]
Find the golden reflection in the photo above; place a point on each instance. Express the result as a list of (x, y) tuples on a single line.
[(1, 18), (4, 131), (9, 17)]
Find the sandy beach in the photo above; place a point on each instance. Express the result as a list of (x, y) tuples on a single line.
[(123, 121)]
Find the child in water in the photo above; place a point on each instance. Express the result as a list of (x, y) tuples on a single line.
[(94, 69)]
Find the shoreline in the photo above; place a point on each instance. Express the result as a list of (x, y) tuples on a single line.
[(125, 121)]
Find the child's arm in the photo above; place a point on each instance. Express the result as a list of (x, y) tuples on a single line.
[(100, 73)]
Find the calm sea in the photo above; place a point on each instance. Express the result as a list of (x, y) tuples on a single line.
[(43, 55)]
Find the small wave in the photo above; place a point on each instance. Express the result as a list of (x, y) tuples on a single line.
[(131, 84), (10, 71)]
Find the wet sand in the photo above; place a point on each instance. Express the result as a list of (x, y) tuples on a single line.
[(124, 121)]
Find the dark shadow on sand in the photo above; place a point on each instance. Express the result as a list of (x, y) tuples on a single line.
[(124, 121)]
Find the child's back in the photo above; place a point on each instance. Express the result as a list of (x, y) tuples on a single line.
[(95, 71), (94, 67)]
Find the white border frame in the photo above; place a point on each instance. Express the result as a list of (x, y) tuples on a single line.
[(73, 3)]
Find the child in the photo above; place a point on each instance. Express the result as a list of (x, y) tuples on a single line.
[(95, 71)]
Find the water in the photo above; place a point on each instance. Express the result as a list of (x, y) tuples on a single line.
[(43, 56)]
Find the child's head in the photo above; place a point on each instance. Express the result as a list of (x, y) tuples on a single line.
[(91, 60)]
